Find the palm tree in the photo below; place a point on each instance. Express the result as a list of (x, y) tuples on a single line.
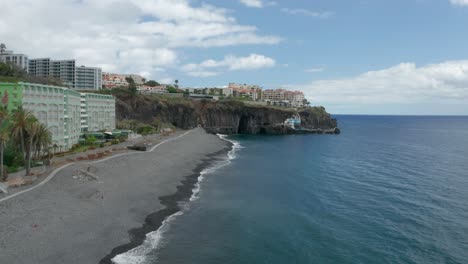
[(4, 137), (2, 48), (32, 131), (21, 119), (176, 83), (42, 140)]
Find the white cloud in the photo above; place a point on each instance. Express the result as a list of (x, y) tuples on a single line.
[(231, 63), (121, 35), (459, 2), (202, 73), (404, 83), (305, 12), (314, 70), (257, 3), (252, 3), (167, 80)]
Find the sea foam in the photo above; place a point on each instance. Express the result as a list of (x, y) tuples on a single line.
[(154, 240)]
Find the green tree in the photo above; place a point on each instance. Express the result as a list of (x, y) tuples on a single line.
[(152, 83), (176, 84), (171, 89), (132, 87)]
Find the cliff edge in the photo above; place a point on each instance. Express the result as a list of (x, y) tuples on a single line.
[(225, 116)]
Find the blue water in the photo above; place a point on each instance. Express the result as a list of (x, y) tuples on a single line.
[(387, 190)]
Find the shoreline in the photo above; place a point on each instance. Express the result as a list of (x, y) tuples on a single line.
[(155, 220), (74, 219)]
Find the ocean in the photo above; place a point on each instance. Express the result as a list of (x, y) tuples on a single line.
[(389, 189)]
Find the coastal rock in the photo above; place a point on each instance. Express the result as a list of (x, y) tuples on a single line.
[(224, 117)]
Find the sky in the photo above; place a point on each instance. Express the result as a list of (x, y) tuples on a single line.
[(400, 57)]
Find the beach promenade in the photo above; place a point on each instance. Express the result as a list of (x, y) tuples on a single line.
[(87, 209)]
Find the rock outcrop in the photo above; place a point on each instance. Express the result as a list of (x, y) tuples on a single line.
[(226, 117)]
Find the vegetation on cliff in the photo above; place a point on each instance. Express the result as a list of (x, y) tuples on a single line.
[(224, 116)]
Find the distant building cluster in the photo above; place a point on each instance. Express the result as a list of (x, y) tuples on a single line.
[(158, 89), (280, 97), (77, 78), (114, 80), (254, 92)]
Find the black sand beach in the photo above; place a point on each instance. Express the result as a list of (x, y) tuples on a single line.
[(73, 219)]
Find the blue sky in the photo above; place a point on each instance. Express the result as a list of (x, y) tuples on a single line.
[(357, 57)]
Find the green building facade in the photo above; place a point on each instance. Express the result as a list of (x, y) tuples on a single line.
[(11, 95), (60, 109)]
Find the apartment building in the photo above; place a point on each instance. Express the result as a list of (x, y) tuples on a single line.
[(60, 69), (62, 110), (296, 98), (113, 80), (88, 78), (64, 70), (254, 92), (276, 95), (80, 78), (39, 67), (152, 89), (293, 98), (19, 60)]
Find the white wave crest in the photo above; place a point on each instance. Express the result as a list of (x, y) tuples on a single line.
[(154, 239), (224, 162), (235, 146)]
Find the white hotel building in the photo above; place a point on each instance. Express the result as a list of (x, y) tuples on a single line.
[(19, 60)]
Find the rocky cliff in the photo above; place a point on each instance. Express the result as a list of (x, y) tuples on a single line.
[(226, 117)]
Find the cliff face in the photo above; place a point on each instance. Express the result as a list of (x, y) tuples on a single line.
[(226, 117), (146, 109), (236, 118)]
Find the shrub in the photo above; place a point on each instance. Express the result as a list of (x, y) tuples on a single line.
[(75, 146), (145, 130), (12, 169), (90, 140), (122, 138)]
